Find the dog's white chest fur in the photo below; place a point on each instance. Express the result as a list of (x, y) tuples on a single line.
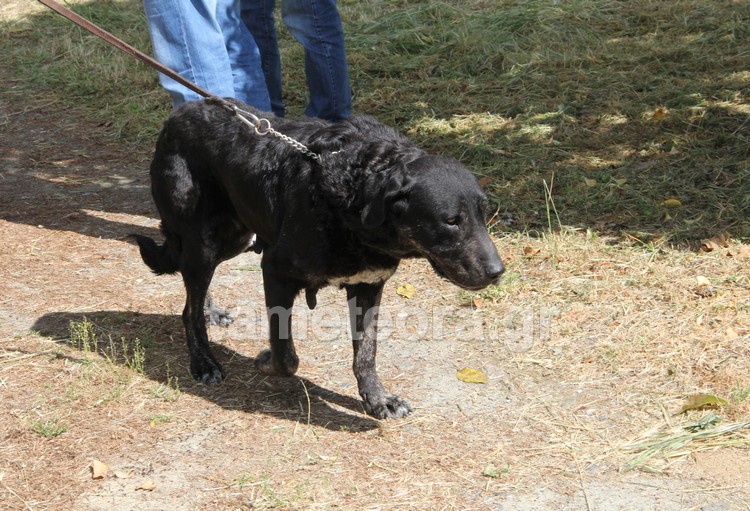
[(374, 276)]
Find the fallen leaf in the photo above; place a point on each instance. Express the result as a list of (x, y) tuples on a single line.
[(590, 182), (485, 181), (702, 281), (530, 251), (721, 240), (147, 485), (470, 375), (477, 301), (671, 203), (702, 402), (740, 252), (99, 470), (406, 290), (659, 113), (495, 472)]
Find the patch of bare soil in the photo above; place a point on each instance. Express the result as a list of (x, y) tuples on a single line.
[(582, 354)]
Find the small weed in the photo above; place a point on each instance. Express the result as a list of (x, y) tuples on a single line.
[(241, 481), (83, 336), (158, 418), (739, 394), (137, 359), (50, 428), (168, 391), (550, 204), (492, 293)]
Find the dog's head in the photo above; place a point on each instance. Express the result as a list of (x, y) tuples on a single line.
[(437, 207)]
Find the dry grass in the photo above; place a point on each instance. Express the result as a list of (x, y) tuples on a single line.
[(585, 116)]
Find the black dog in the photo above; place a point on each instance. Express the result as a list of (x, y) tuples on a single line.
[(372, 199)]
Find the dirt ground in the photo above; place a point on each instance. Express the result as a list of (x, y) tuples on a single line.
[(534, 437)]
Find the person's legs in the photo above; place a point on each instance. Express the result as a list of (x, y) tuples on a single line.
[(258, 18), (317, 26), (186, 38), (244, 56), (200, 40)]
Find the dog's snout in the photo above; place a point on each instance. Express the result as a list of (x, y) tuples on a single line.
[(495, 270)]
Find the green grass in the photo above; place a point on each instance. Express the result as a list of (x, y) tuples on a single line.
[(83, 337), (626, 104), (50, 428)]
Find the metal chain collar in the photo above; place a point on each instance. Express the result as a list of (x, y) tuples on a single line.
[(262, 127)]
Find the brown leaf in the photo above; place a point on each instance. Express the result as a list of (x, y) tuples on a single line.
[(477, 301), (530, 251), (740, 252), (485, 181), (659, 113), (147, 485), (99, 470), (721, 240)]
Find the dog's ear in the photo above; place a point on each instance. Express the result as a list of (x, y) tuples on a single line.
[(384, 192)]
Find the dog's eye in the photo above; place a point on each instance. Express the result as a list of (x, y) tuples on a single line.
[(452, 220)]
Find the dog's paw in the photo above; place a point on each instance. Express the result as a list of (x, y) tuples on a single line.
[(387, 407), (216, 316), (266, 364), (207, 372)]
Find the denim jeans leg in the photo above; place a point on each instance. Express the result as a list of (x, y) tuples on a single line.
[(244, 57), (186, 38), (317, 26), (258, 18)]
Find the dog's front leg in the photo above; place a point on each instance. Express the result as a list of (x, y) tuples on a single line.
[(364, 300), (281, 359)]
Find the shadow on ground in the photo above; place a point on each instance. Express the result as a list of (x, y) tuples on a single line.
[(244, 389)]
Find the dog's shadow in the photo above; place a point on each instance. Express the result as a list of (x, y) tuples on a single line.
[(154, 345)]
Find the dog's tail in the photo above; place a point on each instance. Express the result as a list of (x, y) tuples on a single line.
[(162, 259)]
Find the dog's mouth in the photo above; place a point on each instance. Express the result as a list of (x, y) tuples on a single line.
[(440, 273)]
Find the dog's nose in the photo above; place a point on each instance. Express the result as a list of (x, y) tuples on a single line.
[(495, 270)]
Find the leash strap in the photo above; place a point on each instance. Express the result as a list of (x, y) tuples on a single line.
[(261, 126), (119, 43)]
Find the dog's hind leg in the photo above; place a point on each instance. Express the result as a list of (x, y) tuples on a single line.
[(364, 300), (281, 359), (197, 266)]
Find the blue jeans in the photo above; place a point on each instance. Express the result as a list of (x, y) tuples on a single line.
[(317, 26), (207, 43)]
